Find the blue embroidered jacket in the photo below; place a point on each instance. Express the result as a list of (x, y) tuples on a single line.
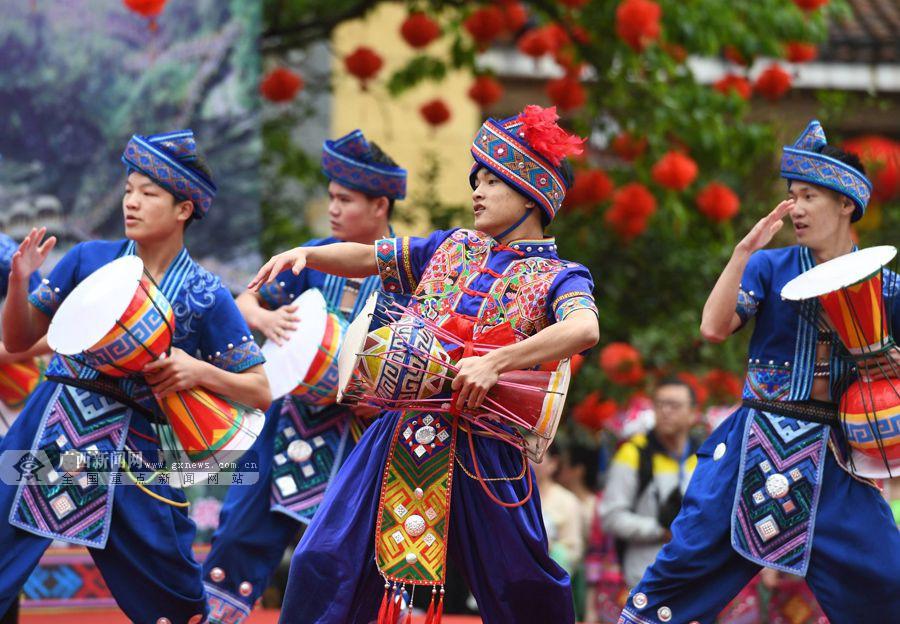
[(783, 345)]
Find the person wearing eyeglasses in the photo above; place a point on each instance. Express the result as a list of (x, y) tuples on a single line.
[(647, 478)]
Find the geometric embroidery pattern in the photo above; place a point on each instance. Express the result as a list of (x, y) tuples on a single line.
[(414, 507), (519, 296), (827, 172), (501, 147), (386, 260), (310, 447), (158, 156), (348, 161), (779, 485), (225, 608), (45, 298), (747, 305), (239, 358), (570, 302), (70, 506), (630, 617), (770, 382), (804, 161), (53, 582)]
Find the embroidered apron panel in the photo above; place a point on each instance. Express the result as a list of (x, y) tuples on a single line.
[(310, 447), (414, 508), (73, 506), (778, 490)]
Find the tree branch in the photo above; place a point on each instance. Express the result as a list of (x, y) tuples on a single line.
[(303, 32)]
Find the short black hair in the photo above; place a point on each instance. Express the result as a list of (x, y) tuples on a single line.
[(848, 158), (199, 164), (678, 381), (380, 157), (578, 453)]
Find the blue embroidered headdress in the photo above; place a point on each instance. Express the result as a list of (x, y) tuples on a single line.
[(167, 158), (526, 151), (349, 161), (802, 161)]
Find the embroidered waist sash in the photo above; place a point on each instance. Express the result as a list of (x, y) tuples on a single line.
[(821, 412)]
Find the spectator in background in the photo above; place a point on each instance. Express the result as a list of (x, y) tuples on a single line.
[(562, 514), (648, 477), (578, 472)]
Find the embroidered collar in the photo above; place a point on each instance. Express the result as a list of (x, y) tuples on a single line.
[(533, 245)]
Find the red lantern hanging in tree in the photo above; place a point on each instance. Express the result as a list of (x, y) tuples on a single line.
[(622, 363), (567, 93), (628, 147), (485, 25), (718, 202), (593, 413), (591, 187), (364, 63), (723, 386), (435, 112), (733, 83), (701, 394), (580, 34), (881, 156), (675, 171), (147, 8), (632, 206), (637, 23), (773, 83), (418, 30), (514, 15), (485, 91), (810, 5), (557, 35), (280, 85), (535, 43), (800, 52)]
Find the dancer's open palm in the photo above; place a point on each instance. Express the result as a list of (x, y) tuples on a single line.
[(31, 254), (766, 228), (294, 259)]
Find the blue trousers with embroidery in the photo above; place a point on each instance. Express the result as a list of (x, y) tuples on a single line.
[(147, 563), (501, 552), (854, 567), (250, 539)]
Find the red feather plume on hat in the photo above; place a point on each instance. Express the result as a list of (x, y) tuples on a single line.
[(544, 135)]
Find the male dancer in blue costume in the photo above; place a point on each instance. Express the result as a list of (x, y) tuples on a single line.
[(141, 545), (503, 279), (796, 506), (302, 446)]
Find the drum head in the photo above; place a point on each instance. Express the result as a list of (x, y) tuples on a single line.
[(286, 365), (354, 340), (869, 467), (838, 273), (94, 306)]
